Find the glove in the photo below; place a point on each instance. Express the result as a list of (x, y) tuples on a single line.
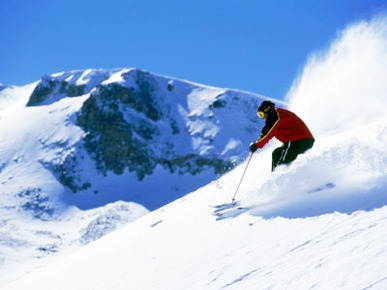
[(253, 147)]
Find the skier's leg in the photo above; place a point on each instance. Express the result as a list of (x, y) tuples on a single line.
[(288, 152), (276, 156), (295, 148)]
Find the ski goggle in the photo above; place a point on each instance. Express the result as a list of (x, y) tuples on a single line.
[(261, 114)]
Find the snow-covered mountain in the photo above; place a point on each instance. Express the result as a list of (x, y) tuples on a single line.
[(75, 141), (140, 129), (320, 223)]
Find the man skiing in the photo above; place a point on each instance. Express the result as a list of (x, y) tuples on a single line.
[(287, 128)]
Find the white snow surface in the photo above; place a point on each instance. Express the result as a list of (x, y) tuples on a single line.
[(320, 223)]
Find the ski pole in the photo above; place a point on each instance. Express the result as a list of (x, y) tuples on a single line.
[(251, 155)]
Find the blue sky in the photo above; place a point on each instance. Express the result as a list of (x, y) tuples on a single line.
[(253, 45)]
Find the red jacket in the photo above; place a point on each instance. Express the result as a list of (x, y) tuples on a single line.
[(285, 126)]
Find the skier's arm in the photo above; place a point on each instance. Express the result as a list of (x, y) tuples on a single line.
[(268, 130)]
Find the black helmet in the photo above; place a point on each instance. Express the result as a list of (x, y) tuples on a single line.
[(264, 108)]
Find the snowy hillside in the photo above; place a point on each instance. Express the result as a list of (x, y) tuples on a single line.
[(74, 142), (320, 223)]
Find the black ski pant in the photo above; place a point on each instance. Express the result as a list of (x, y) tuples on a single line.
[(289, 151)]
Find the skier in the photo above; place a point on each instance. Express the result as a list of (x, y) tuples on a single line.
[(287, 128)]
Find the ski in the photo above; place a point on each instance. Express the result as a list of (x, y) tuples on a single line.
[(226, 205), (230, 213), (225, 212)]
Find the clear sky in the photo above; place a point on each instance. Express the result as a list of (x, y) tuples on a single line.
[(253, 45)]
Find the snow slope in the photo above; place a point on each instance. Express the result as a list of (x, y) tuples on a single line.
[(182, 246), (320, 223)]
